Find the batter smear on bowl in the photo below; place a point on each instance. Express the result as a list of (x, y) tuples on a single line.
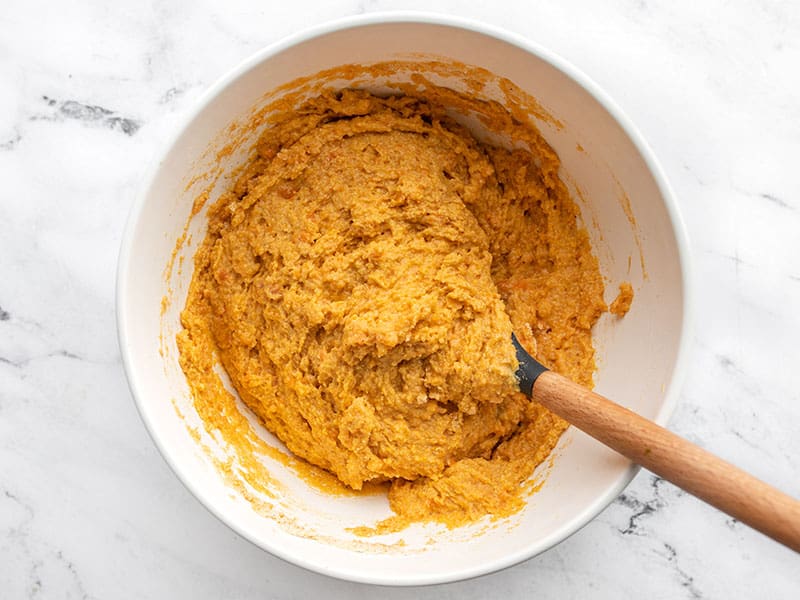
[(360, 284)]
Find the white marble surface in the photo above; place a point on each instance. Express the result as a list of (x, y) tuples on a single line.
[(88, 92)]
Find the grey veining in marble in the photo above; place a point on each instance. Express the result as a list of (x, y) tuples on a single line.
[(89, 90)]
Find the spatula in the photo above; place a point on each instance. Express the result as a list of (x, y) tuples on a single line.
[(677, 460)]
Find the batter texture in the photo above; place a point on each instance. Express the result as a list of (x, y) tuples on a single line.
[(360, 284), (622, 303)]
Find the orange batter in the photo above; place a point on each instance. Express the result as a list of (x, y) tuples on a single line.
[(622, 303), (360, 284)]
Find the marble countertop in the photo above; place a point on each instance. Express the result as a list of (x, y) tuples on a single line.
[(90, 89)]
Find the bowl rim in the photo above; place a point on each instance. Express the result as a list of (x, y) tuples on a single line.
[(673, 387)]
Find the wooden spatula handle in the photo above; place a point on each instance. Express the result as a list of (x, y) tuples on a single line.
[(708, 477)]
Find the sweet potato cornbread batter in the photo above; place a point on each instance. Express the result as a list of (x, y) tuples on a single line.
[(360, 284), (622, 303)]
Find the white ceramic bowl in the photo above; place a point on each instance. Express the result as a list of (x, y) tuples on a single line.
[(630, 214)]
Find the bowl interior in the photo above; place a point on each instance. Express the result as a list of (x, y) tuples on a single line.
[(625, 208)]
